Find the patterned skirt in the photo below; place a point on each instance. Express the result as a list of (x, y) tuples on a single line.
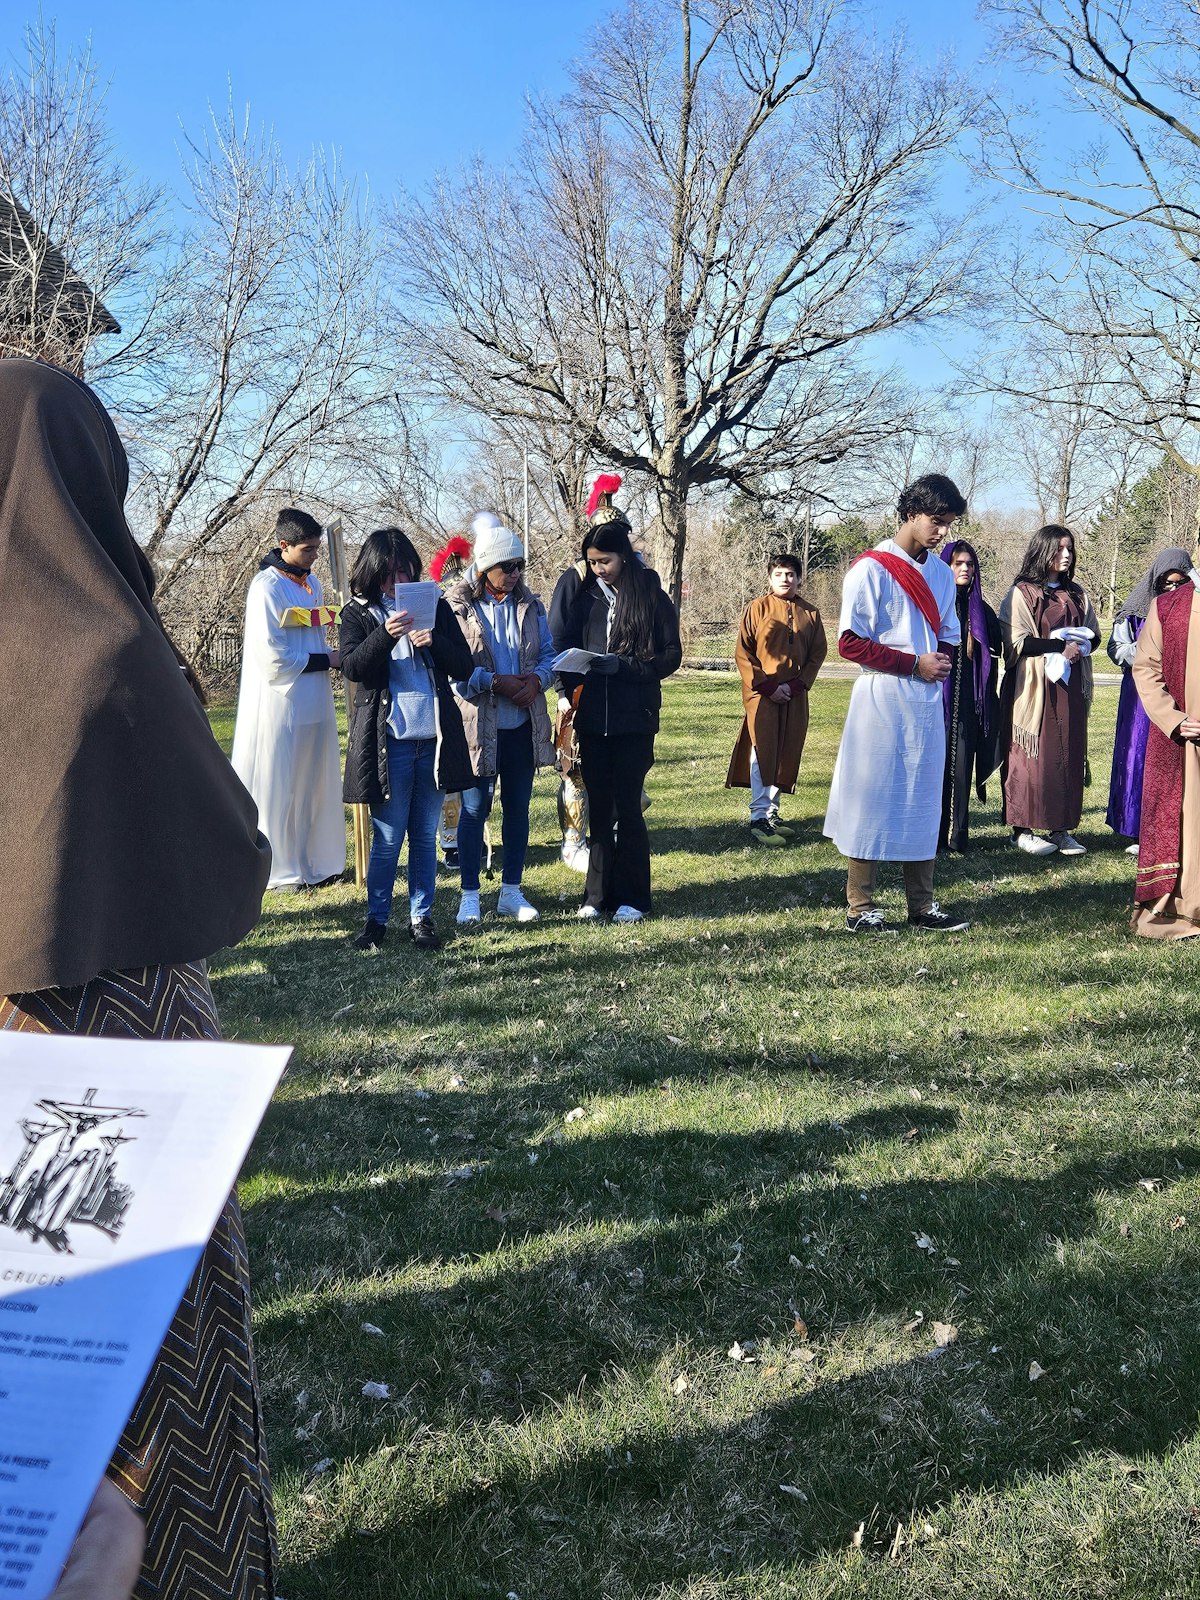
[(192, 1457)]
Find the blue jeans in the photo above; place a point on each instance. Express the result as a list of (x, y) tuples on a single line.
[(514, 769), (414, 808)]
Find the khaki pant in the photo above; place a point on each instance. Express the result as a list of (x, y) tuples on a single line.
[(861, 877)]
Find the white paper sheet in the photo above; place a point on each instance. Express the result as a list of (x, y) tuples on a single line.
[(577, 661), (116, 1159), (420, 601)]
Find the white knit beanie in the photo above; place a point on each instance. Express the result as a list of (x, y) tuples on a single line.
[(494, 542)]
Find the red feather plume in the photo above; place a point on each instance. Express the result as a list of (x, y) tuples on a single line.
[(606, 483), (458, 549)]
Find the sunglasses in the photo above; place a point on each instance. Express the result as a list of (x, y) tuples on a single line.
[(509, 567)]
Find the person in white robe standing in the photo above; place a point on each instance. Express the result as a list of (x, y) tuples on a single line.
[(899, 623), (285, 742)]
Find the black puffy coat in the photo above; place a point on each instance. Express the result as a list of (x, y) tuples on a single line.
[(366, 649), (629, 700)]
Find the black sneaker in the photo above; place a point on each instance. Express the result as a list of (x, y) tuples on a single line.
[(372, 936), (865, 922), (424, 935), (935, 920), (765, 833), (450, 859)]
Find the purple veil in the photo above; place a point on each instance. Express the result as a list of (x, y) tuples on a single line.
[(981, 663)]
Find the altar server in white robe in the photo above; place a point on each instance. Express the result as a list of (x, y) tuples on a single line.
[(285, 742), (899, 623)]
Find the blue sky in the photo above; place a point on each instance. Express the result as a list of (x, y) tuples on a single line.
[(401, 89)]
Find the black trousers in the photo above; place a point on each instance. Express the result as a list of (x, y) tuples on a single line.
[(614, 770)]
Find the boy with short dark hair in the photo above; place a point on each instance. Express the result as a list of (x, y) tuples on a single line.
[(899, 622), (780, 648)]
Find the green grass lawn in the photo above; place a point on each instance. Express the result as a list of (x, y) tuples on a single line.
[(565, 1168)]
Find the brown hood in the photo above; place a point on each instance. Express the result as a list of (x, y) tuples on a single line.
[(126, 840)]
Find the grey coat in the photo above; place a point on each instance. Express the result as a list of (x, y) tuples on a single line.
[(479, 717)]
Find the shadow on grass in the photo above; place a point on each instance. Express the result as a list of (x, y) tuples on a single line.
[(1032, 1269)]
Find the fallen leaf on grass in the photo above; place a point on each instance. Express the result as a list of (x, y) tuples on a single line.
[(944, 1333), (770, 1372), (671, 1039), (796, 1494), (1036, 1371), (1150, 1184), (613, 1188), (806, 1355), (795, 1261), (495, 1214), (1124, 1230), (457, 1083), (741, 1352), (911, 1327), (460, 1174), (680, 1384), (924, 1242), (911, 1136), (342, 1011), (376, 1391), (318, 1467), (856, 1537), (369, 1327), (800, 1328), (1179, 1222), (575, 1115)]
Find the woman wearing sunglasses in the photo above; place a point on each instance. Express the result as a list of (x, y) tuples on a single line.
[(503, 706)]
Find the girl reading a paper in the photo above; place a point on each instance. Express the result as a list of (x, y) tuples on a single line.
[(1049, 631)]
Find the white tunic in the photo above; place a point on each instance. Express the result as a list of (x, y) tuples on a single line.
[(285, 743), (886, 800)]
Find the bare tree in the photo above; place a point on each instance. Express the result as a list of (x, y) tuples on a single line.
[(277, 379), (695, 246), (78, 232), (1122, 215)]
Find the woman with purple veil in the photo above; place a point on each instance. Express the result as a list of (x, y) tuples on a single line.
[(969, 697), (1168, 570)]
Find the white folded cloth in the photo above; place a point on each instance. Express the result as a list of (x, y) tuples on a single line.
[(1058, 668)]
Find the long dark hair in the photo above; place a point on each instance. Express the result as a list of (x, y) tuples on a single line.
[(384, 549), (1042, 551), (637, 597)]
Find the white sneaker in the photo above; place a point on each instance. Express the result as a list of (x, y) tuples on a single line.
[(468, 907), (628, 914), (588, 913), (1132, 849), (512, 903), (1033, 846), (1067, 845)]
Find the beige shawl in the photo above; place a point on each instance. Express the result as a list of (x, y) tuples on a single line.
[(1017, 623)]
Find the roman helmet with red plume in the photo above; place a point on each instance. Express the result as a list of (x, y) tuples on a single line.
[(600, 508), (448, 562)]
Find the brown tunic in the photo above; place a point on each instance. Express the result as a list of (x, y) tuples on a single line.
[(1046, 791), (1174, 916), (779, 641)]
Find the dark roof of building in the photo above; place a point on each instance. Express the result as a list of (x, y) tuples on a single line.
[(23, 244)]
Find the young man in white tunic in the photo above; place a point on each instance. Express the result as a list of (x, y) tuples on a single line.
[(285, 742), (899, 623)]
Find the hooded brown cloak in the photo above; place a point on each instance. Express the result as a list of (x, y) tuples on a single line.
[(126, 839)]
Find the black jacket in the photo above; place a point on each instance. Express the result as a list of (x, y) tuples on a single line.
[(629, 700), (366, 652)]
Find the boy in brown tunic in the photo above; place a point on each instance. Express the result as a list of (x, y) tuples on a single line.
[(780, 648)]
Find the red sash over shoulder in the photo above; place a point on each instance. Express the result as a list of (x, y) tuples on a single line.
[(1160, 854), (911, 581)]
